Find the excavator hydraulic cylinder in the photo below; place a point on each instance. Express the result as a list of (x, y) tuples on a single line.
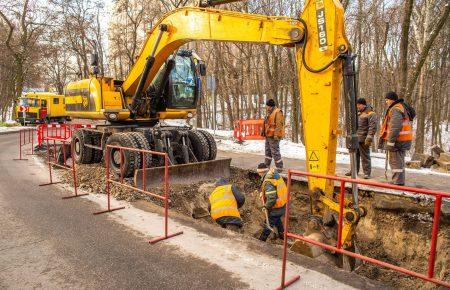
[(210, 3)]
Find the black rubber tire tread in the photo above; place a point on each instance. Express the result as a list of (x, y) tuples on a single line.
[(86, 153), (130, 157), (211, 143), (97, 156), (199, 144), (142, 143)]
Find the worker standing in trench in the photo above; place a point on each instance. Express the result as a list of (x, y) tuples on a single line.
[(274, 195), (273, 130), (224, 204), (396, 136)]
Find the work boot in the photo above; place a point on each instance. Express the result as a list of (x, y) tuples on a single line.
[(263, 237), (348, 173), (367, 176)]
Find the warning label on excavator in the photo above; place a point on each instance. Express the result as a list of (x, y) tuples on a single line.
[(313, 160)]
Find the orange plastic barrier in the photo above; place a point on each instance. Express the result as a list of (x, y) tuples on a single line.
[(248, 130), (58, 131)]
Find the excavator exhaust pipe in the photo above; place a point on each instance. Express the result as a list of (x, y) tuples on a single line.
[(184, 174)]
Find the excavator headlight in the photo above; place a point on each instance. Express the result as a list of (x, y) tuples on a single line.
[(190, 115), (112, 116)]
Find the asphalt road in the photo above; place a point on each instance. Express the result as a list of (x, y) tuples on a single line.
[(50, 243)]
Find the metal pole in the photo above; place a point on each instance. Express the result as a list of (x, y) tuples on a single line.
[(74, 170), (341, 214), (214, 109), (434, 235), (166, 194), (107, 175)]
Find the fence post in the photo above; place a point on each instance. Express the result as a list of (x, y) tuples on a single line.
[(434, 235), (286, 229), (341, 214)]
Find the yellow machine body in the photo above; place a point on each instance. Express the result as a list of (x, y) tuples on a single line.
[(323, 20), (39, 107)]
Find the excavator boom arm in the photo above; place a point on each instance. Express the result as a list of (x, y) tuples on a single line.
[(190, 23)]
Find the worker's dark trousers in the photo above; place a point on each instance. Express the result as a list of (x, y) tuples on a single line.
[(275, 222), (363, 156), (272, 149), (397, 164)]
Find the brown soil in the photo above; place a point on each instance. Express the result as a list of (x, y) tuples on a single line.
[(395, 236)]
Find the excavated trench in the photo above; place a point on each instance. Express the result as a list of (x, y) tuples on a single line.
[(396, 229)]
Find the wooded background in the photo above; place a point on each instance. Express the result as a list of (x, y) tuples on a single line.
[(402, 45)]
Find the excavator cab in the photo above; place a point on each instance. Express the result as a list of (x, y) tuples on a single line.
[(176, 86)]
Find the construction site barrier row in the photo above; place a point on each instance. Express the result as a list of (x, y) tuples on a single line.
[(26, 137), (144, 155), (60, 131), (248, 130), (338, 248), (63, 146)]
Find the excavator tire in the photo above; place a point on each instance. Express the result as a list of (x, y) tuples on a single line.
[(82, 154), (199, 144), (211, 144), (142, 143), (131, 158), (97, 155)]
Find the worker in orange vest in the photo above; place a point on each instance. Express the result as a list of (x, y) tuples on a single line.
[(274, 196), (273, 130), (224, 204), (396, 136)]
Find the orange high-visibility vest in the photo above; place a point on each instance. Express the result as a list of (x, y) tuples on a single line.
[(406, 132), (270, 125), (281, 191), (223, 202)]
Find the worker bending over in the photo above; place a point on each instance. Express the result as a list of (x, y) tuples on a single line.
[(396, 136), (224, 202), (273, 130), (274, 194)]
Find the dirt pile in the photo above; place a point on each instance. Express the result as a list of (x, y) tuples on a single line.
[(398, 236)]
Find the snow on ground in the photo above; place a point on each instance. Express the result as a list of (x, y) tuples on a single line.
[(12, 129), (293, 150)]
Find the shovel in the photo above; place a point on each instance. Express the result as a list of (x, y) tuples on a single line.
[(266, 213), (198, 213), (386, 165)]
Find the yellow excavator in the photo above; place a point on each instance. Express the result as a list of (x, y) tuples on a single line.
[(164, 84)]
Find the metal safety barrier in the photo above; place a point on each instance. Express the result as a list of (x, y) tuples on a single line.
[(248, 130), (58, 142), (26, 137), (59, 131), (338, 248), (144, 190)]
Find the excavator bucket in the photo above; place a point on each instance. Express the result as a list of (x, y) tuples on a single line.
[(184, 173)]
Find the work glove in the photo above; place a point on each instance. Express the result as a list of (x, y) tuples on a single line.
[(368, 142), (264, 209)]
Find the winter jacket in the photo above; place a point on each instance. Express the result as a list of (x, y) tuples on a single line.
[(367, 124), (396, 129), (239, 200), (274, 124), (274, 193)]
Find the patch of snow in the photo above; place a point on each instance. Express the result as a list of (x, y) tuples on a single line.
[(12, 129)]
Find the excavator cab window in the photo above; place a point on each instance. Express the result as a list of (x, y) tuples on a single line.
[(183, 85)]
